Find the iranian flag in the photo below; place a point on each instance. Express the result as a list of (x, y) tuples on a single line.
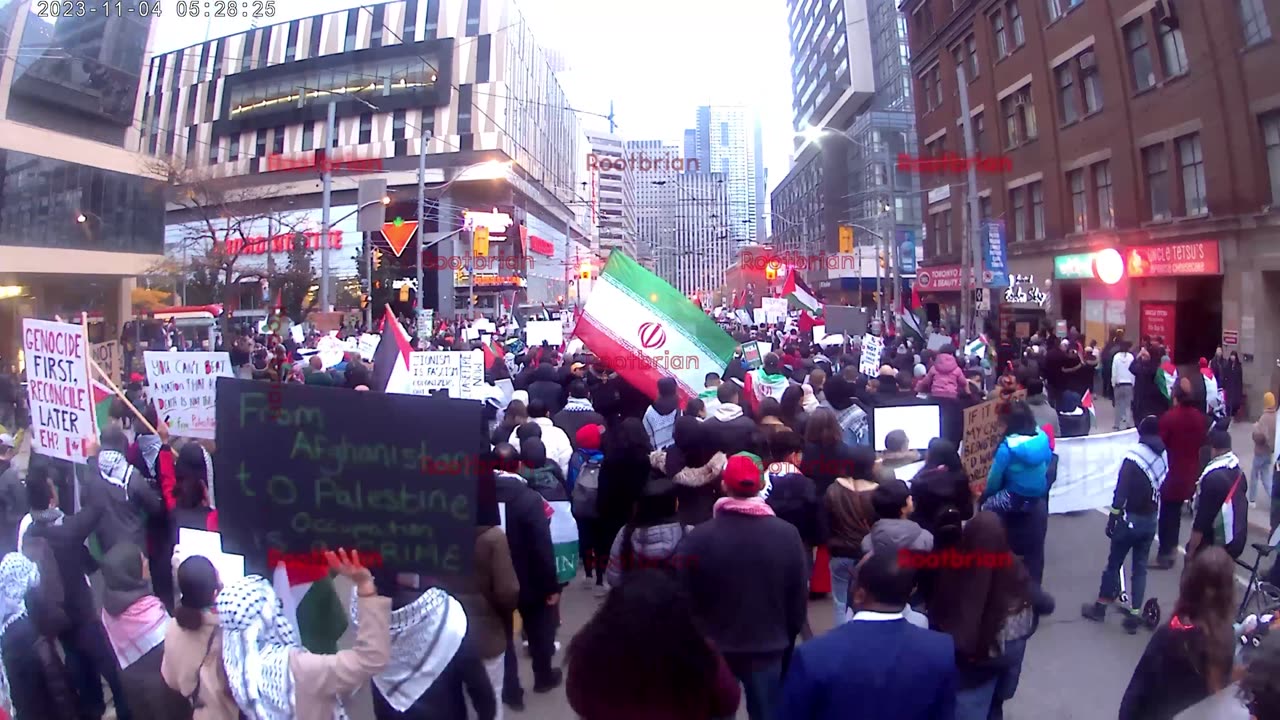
[(799, 295), (311, 601), (1167, 379), (647, 330), (760, 385), (391, 357)]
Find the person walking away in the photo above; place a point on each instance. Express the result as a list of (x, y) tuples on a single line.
[(34, 684), (128, 499), (1222, 509), (694, 465), (669, 670), (827, 456), (192, 663), (88, 653), (893, 529), (794, 415), (151, 456), (896, 455), (1122, 381), (528, 529), (1149, 398), (660, 418), (1044, 413), (13, 502), (729, 428), (846, 517), (984, 600), (1017, 487), (1231, 378), (1183, 430), (624, 472), (431, 671), (540, 473), (1189, 658), (793, 496), (513, 417), (489, 595), (878, 665), (584, 493), (559, 449), (1132, 523), (136, 622), (577, 413), (1109, 352), (1264, 449), (1214, 404), (271, 675), (649, 540), (1073, 420), (745, 572), (709, 395)]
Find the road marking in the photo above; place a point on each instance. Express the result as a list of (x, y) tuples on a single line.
[(1242, 582)]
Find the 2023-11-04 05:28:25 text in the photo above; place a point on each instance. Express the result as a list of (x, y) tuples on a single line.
[(51, 10)]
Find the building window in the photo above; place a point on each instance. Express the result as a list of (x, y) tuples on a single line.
[(349, 41), (366, 128), (317, 25), (926, 90), (277, 140), (308, 136), (984, 208), (1068, 112), (1091, 82), (291, 45), (937, 86), (204, 61), (1018, 219), (264, 47), (1055, 10), (997, 32), (433, 18), (397, 125), (971, 47), (1191, 165), (1102, 189), (260, 143), (190, 157), (217, 61), (1253, 18), (410, 21), (1173, 53), (1140, 65), (210, 94), (1019, 118), (1079, 200), (213, 152), (1037, 209), (1156, 166), (473, 18), (484, 48), (978, 127), (1015, 24), (233, 148), (375, 30), (924, 20), (1271, 137)]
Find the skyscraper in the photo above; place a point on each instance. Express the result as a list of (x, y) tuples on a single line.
[(728, 140), (612, 193)]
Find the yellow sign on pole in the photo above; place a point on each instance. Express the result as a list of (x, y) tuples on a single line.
[(846, 239), (480, 241)]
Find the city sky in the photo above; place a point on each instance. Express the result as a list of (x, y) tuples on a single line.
[(657, 61)]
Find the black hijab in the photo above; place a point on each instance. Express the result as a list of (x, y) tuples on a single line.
[(122, 578)]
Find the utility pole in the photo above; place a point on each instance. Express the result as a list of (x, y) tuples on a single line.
[(471, 274), (423, 137), (973, 244), (368, 266), (895, 249), (326, 202)]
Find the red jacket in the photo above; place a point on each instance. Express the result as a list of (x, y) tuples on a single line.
[(1184, 431)]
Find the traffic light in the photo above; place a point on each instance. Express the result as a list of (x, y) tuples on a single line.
[(377, 259), (771, 271), (584, 273), (404, 293)]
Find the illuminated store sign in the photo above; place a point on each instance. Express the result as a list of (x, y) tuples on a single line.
[(496, 222)]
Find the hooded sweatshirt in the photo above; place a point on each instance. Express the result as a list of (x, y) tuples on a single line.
[(945, 379), (651, 547), (1021, 466), (893, 534), (1044, 413), (730, 430), (660, 421)]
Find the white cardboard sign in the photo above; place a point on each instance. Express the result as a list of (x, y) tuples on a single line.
[(184, 388), (61, 397)]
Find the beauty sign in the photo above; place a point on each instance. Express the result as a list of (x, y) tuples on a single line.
[(183, 386), (58, 388)]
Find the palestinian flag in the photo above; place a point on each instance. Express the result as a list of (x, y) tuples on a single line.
[(911, 316), (1167, 379), (102, 397), (311, 601), (564, 536), (760, 385), (799, 295), (646, 330), (1086, 402), (391, 357), (807, 323)]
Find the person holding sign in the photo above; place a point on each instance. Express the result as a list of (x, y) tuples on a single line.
[(271, 675), (1018, 486)]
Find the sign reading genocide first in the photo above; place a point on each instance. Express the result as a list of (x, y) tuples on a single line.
[(301, 467)]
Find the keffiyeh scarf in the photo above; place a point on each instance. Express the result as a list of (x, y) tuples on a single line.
[(115, 469), (425, 635), (149, 446), (257, 641), (17, 576)]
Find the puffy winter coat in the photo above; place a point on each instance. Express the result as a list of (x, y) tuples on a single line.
[(944, 379)]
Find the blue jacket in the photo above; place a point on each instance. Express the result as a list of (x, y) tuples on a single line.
[(1021, 466), (887, 670)]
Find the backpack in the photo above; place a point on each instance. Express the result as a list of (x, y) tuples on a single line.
[(586, 491)]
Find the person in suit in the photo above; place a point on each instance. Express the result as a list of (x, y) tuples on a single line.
[(878, 665)]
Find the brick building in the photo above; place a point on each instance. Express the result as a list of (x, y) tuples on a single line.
[(1147, 127)]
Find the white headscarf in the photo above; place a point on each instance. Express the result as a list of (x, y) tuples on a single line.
[(115, 469), (257, 640), (425, 635), (17, 576)]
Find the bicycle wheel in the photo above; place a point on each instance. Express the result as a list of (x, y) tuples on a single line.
[(1264, 599)]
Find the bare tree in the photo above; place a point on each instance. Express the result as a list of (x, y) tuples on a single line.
[(222, 225)]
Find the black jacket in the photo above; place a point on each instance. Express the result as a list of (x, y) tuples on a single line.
[(39, 685), (730, 436), (1134, 491), (13, 506), (794, 498), (124, 515), (748, 581), (1166, 680), (572, 420), (544, 387), (528, 529), (464, 677), (66, 545)]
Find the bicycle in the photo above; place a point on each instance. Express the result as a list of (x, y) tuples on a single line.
[(1260, 596)]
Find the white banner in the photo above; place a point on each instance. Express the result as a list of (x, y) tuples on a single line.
[(62, 408), (461, 373), (183, 386), (775, 309), (538, 330), (1087, 470)]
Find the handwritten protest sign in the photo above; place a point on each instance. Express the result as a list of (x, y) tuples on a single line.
[(108, 357), (983, 431), (461, 373), (872, 349), (331, 350), (538, 331), (303, 467), (368, 344), (58, 388), (775, 309), (183, 387)]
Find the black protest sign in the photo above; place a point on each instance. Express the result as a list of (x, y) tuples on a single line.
[(304, 467), (845, 320)]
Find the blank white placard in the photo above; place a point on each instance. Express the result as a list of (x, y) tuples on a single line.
[(921, 423)]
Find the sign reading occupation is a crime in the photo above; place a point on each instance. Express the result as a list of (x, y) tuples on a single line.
[(304, 467), (183, 386), (58, 388)]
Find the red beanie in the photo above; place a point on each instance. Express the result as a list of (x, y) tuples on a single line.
[(588, 437), (744, 474)]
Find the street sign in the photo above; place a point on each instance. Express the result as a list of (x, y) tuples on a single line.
[(1230, 337), (398, 234)]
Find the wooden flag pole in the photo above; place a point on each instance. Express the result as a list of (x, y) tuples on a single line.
[(121, 395)]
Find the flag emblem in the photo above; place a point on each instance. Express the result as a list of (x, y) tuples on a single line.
[(652, 336)]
